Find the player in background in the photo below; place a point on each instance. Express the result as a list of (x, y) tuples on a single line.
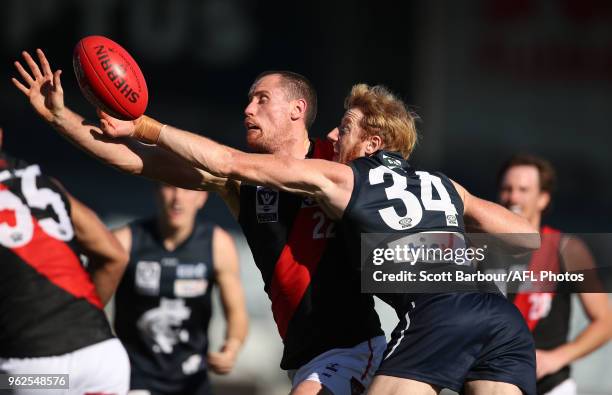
[(526, 184), (51, 309), (163, 303), (331, 333)]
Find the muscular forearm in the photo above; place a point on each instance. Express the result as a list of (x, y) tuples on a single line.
[(199, 151), (132, 157), (90, 138), (237, 329)]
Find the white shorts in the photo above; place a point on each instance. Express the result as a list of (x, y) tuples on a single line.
[(343, 371), (102, 368), (566, 387)]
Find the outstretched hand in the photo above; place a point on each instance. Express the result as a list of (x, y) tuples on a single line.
[(41, 85)]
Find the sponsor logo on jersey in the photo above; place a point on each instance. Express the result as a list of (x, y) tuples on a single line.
[(190, 270), (451, 220), (190, 288), (266, 201), (147, 278)]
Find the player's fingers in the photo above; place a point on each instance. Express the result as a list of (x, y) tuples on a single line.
[(24, 74), (105, 126), (57, 83), (108, 128), (44, 63), (32, 64), (20, 86)]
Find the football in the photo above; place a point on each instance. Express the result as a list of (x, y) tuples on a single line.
[(110, 78)]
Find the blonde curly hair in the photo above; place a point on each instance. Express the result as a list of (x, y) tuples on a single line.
[(384, 115)]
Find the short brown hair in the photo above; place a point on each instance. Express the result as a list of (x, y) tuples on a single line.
[(548, 176), (297, 87), (384, 115)]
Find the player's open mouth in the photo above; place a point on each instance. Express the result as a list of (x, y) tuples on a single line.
[(251, 126), (515, 208)]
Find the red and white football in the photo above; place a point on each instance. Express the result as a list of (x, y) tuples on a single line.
[(110, 78)]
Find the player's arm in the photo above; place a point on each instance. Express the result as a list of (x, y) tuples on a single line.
[(44, 91), (107, 258), (329, 182), (514, 231), (124, 236), (577, 257), (227, 275)]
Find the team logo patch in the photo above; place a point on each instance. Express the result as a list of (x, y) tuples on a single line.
[(391, 162), (148, 274), (266, 201), (405, 222), (163, 326)]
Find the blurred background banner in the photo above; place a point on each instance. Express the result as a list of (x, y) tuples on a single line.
[(488, 78)]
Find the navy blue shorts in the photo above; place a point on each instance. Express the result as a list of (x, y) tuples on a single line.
[(448, 339)]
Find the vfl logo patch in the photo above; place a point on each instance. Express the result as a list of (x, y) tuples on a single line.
[(451, 220), (266, 204)]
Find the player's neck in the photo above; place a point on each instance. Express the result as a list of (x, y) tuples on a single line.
[(296, 148), (173, 237), (536, 221)]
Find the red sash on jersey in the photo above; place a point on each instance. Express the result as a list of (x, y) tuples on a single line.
[(535, 305), (299, 259)]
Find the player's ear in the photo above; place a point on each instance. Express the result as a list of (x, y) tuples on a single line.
[(543, 200), (374, 144), (298, 109)]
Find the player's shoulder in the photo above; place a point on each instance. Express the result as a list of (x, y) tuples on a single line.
[(221, 236)]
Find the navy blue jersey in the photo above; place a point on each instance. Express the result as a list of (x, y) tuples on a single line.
[(163, 306), (435, 341), (389, 196), (315, 293), (48, 303)]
